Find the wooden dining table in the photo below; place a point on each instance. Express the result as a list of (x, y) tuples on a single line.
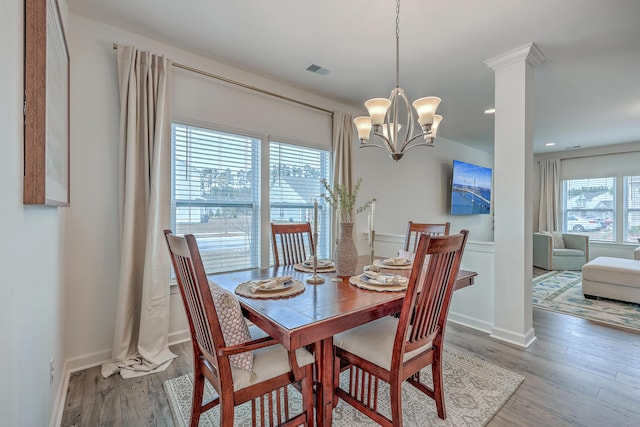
[(314, 316)]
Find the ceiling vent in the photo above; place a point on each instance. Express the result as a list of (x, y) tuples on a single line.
[(316, 69)]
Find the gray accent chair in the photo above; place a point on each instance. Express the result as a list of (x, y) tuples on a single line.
[(572, 257)]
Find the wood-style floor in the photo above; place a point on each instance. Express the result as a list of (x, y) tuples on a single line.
[(578, 373)]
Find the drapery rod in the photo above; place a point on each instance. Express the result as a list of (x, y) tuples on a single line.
[(246, 86)]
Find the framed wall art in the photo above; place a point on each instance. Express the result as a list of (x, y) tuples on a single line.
[(46, 106)]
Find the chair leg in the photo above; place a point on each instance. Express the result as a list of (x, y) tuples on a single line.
[(198, 390), (227, 412), (395, 398), (438, 388)]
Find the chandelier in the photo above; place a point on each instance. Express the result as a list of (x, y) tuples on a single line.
[(385, 116)]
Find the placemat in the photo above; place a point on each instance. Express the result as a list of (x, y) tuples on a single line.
[(378, 263), (357, 281), (306, 269), (244, 289)]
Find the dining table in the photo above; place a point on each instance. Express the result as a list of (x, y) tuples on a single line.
[(314, 316)]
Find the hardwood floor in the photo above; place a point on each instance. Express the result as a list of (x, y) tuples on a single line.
[(578, 373)]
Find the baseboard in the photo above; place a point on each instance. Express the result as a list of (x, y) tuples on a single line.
[(470, 322), (520, 340), (89, 361)]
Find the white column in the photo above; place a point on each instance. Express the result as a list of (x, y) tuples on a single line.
[(513, 200)]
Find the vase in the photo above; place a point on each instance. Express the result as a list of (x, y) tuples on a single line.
[(346, 252)]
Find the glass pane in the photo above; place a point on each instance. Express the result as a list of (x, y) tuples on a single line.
[(632, 209), (215, 195), (294, 178), (589, 207)]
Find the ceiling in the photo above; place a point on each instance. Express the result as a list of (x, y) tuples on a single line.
[(587, 92)]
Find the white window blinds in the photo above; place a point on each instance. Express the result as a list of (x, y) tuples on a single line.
[(215, 195)]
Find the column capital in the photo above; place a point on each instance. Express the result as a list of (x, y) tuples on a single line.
[(529, 52)]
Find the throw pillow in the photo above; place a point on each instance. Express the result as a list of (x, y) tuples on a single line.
[(558, 241), (233, 325)]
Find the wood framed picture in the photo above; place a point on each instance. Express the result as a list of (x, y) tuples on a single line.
[(46, 106)]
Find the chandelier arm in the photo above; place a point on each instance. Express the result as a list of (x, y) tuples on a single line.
[(418, 144), (386, 141), (374, 145), (413, 138)]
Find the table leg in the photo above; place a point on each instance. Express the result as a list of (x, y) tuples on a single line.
[(324, 390)]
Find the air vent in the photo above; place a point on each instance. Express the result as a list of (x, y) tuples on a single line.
[(317, 69)]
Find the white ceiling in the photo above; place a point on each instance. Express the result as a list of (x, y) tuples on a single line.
[(587, 93)]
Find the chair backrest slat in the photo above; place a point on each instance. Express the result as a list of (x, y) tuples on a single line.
[(196, 295), (292, 243), (415, 229), (428, 296)]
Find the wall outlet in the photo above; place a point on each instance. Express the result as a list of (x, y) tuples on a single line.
[(52, 370)]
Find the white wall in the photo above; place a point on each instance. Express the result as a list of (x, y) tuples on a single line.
[(614, 160), (92, 239), (31, 259), (418, 188)]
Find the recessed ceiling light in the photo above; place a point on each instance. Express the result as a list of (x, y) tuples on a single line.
[(550, 144), (490, 111)]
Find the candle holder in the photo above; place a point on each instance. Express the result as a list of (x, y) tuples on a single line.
[(372, 239), (315, 279)]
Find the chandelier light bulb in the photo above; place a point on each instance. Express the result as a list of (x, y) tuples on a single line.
[(377, 108), (426, 108), (363, 124)]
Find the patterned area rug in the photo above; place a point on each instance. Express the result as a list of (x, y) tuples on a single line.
[(561, 291), (475, 391)]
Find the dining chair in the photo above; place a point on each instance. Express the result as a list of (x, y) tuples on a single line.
[(292, 243), (414, 229), (241, 363), (394, 350)]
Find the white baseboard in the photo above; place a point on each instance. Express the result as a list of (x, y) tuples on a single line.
[(471, 322), (520, 340), (89, 361)]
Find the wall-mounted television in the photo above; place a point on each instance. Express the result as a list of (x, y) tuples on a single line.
[(470, 189)]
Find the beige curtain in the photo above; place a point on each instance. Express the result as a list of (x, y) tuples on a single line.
[(548, 212), (342, 138), (140, 344)]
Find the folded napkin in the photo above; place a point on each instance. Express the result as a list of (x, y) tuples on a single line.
[(397, 261), (273, 283), (406, 254), (385, 279)]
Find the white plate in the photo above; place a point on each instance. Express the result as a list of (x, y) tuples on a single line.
[(322, 263), (371, 281), (284, 286), (389, 261)]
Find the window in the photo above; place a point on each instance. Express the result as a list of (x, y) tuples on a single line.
[(294, 178), (589, 207), (216, 195), (632, 209)]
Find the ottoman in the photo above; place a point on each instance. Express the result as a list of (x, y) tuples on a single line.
[(613, 278)]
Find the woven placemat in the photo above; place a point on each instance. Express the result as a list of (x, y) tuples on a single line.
[(357, 281), (244, 289), (307, 269), (378, 263)]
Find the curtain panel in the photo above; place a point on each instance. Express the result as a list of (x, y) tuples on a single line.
[(140, 343)]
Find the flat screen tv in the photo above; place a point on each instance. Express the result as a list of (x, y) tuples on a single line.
[(470, 189)]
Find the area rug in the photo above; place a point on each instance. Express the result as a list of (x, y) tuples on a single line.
[(475, 391), (561, 291)]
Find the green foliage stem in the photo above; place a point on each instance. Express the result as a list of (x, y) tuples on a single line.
[(341, 199)]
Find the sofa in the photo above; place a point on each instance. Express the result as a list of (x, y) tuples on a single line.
[(613, 278), (560, 251)]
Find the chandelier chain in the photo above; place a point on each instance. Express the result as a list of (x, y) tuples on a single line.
[(397, 43)]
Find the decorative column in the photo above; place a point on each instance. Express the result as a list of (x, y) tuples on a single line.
[(513, 208)]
